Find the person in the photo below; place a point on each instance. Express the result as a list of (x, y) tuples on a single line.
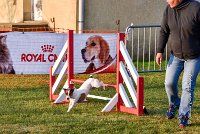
[(180, 29)]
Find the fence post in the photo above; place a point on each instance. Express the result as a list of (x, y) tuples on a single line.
[(51, 82), (140, 96), (70, 57), (119, 77)]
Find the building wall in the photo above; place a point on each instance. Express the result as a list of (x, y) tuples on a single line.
[(11, 11), (102, 14), (64, 12), (98, 14)]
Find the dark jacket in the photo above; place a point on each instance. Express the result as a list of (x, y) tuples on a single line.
[(180, 29)]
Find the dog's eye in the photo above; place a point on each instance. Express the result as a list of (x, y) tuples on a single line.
[(93, 44)]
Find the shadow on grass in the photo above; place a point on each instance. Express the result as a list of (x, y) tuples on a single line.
[(155, 112), (196, 124)]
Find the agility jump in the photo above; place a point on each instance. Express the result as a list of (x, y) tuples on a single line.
[(120, 99)]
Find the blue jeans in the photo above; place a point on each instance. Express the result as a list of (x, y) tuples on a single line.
[(190, 68)]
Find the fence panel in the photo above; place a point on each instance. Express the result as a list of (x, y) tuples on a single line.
[(141, 42)]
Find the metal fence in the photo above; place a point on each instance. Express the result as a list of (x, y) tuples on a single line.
[(141, 42)]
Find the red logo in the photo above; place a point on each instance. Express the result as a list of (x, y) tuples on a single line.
[(47, 48), (41, 57)]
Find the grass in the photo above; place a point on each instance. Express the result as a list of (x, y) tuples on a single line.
[(28, 110), (149, 66)]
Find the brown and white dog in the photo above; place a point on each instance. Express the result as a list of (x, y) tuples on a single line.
[(6, 64), (80, 94), (96, 52)]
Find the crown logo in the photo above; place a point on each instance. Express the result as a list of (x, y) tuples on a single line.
[(47, 48)]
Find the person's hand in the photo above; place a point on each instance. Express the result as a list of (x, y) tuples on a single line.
[(159, 57)]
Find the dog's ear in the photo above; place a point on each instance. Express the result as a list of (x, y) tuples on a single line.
[(71, 91), (3, 39), (104, 50), (90, 67)]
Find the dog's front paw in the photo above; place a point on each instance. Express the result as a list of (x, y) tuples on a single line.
[(68, 110), (71, 104)]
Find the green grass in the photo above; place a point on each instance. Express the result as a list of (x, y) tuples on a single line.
[(149, 66), (28, 110)]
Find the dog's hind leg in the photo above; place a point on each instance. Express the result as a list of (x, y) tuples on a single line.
[(82, 98)]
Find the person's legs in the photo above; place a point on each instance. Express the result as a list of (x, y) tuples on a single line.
[(174, 69), (191, 70)]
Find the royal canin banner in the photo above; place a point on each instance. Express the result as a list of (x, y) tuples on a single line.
[(34, 52)]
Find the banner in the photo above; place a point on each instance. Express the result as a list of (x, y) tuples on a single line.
[(34, 52)]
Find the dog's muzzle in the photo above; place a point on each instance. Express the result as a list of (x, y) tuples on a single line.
[(83, 55), (83, 51), (67, 97)]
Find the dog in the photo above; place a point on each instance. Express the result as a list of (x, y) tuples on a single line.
[(96, 52), (6, 64), (80, 94)]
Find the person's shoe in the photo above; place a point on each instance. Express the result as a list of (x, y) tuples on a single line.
[(183, 121), (171, 112)]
